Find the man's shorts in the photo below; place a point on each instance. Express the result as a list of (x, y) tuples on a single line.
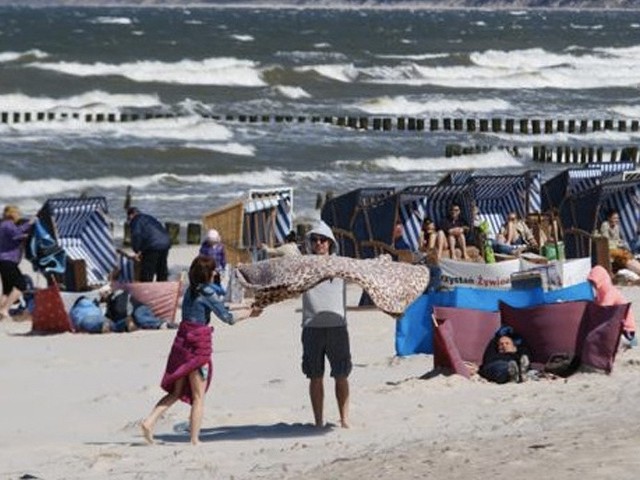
[(332, 342)]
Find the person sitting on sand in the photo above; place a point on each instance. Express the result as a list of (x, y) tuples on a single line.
[(189, 366), (455, 229), (621, 256), (515, 237), (505, 359)]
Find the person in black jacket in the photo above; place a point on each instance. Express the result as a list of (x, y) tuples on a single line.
[(150, 242), (506, 358)]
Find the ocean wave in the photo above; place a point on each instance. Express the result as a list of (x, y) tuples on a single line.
[(488, 160), (243, 38), (29, 55), (111, 21), (230, 148), (414, 57), (93, 100), (401, 105), (292, 92), (15, 188), (191, 129), (345, 73), (211, 71)]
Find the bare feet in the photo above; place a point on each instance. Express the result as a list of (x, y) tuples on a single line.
[(345, 424), (147, 432)]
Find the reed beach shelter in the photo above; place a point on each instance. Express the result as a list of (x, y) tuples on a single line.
[(262, 216), (81, 227)]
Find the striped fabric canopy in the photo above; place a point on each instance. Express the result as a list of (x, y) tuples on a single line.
[(433, 201), (496, 196), (268, 215), (81, 227), (569, 182), (588, 209)]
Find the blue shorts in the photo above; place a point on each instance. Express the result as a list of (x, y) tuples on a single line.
[(332, 343)]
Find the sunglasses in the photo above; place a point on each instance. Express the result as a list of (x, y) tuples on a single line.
[(315, 238)]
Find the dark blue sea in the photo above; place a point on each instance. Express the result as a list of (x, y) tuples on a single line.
[(193, 67)]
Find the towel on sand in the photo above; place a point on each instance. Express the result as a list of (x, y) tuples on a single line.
[(191, 349), (392, 286)]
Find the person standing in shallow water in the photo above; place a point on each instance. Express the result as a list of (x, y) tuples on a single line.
[(189, 366), (324, 332)]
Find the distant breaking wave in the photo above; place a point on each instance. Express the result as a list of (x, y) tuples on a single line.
[(211, 71), (93, 100), (402, 106), (16, 188), (492, 159), (29, 55)]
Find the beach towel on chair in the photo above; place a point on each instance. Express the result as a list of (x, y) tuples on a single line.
[(392, 286)]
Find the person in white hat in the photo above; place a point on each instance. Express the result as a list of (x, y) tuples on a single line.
[(213, 247)]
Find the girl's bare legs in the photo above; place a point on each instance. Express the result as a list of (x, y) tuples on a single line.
[(198, 384), (8, 301), (165, 402)]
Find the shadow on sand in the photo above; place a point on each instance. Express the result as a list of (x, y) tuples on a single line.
[(246, 432)]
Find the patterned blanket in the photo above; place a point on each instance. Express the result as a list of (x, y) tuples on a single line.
[(392, 286)]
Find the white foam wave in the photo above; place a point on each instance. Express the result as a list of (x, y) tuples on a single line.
[(321, 45), (533, 68), (629, 111), (400, 105), (416, 57), (243, 38), (93, 100), (14, 188), (292, 92), (493, 159), (210, 71), (34, 53), (188, 129), (111, 21), (230, 148), (576, 26), (345, 73)]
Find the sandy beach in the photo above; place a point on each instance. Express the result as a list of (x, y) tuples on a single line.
[(70, 407)]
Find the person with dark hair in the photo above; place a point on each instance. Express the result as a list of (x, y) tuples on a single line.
[(13, 233), (621, 256), (189, 366), (515, 236), (150, 242), (455, 230), (506, 358)]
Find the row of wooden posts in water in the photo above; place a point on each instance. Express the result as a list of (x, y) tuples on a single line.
[(384, 123), (194, 230), (554, 154)]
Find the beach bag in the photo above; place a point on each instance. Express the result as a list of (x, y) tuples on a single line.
[(49, 314), (561, 364)]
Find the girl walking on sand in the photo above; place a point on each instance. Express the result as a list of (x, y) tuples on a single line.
[(189, 366)]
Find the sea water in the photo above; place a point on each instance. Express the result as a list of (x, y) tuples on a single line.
[(193, 64)]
